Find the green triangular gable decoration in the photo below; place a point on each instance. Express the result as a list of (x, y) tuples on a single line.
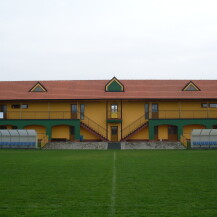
[(114, 85)]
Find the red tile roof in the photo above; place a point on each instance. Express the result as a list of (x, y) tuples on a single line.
[(95, 89)]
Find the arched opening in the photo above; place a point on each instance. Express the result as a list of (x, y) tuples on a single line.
[(166, 133), (187, 129), (172, 133), (41, 130), (63, 133)]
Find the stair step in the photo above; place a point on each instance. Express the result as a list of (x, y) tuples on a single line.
[(114, 145)]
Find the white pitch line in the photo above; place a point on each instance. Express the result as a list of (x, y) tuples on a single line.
[(113, 194)]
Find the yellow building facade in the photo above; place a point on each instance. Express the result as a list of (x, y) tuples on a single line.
[(116, 113)]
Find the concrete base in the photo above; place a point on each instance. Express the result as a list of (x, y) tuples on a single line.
[(124, 145), (77, 145), (152, 145)]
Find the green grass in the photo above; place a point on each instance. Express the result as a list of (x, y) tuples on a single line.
[(172, 183)]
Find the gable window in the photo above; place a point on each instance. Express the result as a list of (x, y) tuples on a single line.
[(191, 87), (114, 85), (38, 87)]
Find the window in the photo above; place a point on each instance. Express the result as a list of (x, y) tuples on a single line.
[(190, 86), (204, 105), (82, 111), (114, 108), (213, 105), (18, 106), (155, 130), (15, 106), (24, 106), (38, 87), (154, 107)]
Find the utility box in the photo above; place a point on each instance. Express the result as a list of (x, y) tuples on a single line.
[(18, 139), (204, 138)]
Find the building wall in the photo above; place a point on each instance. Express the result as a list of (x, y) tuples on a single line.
[(141, 135), (97, 110), (61, 132), (131, 111), (188, 129), (41, 130), (163, 132), (88, 135)]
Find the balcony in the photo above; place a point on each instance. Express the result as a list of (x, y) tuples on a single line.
[(183, 114), (113, 117), (25, 115)]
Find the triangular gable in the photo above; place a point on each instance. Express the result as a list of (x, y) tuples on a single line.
[(114, 85), (38, 87), (190, 86)]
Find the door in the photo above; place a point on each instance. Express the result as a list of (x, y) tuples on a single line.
[(74, 111), (114, 134), (172, 133), (3, 112), (155, 111), (146, 111), (72, 133), (155, 132)]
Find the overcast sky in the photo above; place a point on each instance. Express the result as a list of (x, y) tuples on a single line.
[(98, 39)]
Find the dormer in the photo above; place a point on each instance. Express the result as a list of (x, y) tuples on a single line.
[(114, 85), (190, 86), (38, 87)]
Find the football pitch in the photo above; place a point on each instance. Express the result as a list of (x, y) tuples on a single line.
[(127, 183)]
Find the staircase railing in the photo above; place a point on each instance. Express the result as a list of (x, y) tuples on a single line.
[(95, 126), (134, 125), (43, 141), (185, 141)]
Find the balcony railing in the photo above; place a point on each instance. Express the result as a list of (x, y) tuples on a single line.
[(183, 114), (162, 114), (22, 115), (114, 115)]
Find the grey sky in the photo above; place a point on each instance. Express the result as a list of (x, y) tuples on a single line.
[(81, 39)]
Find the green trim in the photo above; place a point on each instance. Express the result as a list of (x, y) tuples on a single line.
[(114, 121), (48, 124), (180, 123)]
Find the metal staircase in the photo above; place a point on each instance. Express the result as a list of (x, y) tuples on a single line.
[(94, 128), (134, 127)]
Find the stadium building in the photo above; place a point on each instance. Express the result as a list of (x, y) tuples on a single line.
[(114, 110)]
